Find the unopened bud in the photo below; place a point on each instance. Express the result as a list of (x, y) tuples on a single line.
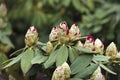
[(63, 28), (59, 74), (54, 34), (49, 47), (3, 9), (31, 36), (99, 47), (74, 32), (97, 75), (67, 70), (89, 43), (111, 50), (62, 72), (64, 39)]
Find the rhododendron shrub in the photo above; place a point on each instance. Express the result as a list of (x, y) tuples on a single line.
[(66, 56)]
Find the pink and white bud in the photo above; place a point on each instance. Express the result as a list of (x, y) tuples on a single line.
[(59, 74), (99, 47), (74, 32), (63, 28), (111, 50), (3, 9), (54, 34), (62, 72), (97, 75), (89, 43), (31, 36), (67, 70)]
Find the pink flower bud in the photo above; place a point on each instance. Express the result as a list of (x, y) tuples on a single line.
[(49, 47), (31, 36), (3, 9), (74, 32), (89, 43), (99, 47), (111, 50), (97, 75), (63, 28), (54, 34), (59, 74), (62, 72)]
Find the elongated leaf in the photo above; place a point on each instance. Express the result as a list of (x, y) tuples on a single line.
[(80, 63), (101, 58), (62, 55), (18, 52), (50, 60), (84, 50), (39, 59), (15, 60), (72, 54), (88, 71), (107, 69), (26, 60), (3, 58)]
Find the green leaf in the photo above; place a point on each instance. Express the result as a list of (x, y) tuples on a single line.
[(62, 55), (66, 3), (107, 69), (76, 79), (18, 52), (72, 54), (85, 50), (50, 60), (39, 59), (38, 52), (80, 63), (3, 58), (97, 28), (14, 60), (6, 40), (100, 58), (88, 71), (26, 60), (79, 6)]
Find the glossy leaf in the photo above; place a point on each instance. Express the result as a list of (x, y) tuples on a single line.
[(85, 50), (107, 69), (80, 63), (72, 54), (26, 60), (62, 55), (39, 59), (88, 71), (3, 58), (100, 58), (18, 52), (50, 60), (15, 60)]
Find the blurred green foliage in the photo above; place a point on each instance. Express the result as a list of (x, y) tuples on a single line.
[(98, 17)]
